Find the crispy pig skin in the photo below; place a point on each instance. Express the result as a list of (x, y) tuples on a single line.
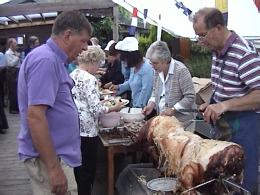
[(192, 159)]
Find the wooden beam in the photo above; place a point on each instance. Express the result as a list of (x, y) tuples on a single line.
[(32, 8), (42, 16), (99, 12), (28, 18), (28, 24), (13, 19)]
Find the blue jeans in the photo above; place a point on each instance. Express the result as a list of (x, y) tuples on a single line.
[(245, 132)]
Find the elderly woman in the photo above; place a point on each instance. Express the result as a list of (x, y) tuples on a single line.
[(172, 86), (87, 98), (141, 73)]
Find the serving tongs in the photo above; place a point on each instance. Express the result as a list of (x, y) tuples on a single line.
[(227, 183), (199, 116)]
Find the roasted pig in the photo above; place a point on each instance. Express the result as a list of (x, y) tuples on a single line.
[(192, 159)]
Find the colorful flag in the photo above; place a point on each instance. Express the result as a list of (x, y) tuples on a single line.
[(132, 28), (186, 11), (222, 5)]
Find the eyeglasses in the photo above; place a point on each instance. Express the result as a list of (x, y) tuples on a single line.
[(201, 36)]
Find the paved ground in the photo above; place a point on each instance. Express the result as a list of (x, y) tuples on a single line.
[(14, 179)]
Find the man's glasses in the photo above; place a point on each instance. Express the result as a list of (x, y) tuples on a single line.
[(201, 36)]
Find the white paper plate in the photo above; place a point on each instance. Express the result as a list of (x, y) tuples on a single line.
[(106, 92), (125, 101), (164, 184)]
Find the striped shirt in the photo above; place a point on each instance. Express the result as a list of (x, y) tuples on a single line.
[(236, 70)]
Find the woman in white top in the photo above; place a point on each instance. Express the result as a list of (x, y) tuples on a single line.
[(87, 98)]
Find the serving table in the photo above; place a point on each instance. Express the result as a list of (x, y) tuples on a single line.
[(115, 146)]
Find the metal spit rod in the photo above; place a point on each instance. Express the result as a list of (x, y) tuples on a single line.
[(225, 182)]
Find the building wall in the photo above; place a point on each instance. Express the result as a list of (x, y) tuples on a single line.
[(43, 32)]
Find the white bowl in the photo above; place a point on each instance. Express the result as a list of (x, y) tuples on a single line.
[(135, 114), (110, 120)]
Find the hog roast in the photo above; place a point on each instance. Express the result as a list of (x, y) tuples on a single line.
[(192, 159)]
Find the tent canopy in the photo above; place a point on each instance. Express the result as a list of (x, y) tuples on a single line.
[(243, 16)]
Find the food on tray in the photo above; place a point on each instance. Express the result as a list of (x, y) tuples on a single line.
[(112, 102), (192, 159), (134, 127), (116, 133)]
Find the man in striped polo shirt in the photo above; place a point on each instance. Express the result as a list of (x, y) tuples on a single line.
[(235, 77)]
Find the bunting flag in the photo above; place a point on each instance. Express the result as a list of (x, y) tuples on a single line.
[(159, 29), (222, 5), (132, 28), (257, 3), (145, 16), (186, 11)]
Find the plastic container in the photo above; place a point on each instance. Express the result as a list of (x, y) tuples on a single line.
[(132, 114), (110, 120)]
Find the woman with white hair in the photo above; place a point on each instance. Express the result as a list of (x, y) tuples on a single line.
[(87, 99), (172, 85)]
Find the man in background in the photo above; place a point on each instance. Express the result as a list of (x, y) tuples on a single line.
[(32, 43), (13, 64)]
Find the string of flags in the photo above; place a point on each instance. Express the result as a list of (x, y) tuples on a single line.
[(186, 11), (132, 28), (134, 22)]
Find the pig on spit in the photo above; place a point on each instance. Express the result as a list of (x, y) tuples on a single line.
[(190, 158)]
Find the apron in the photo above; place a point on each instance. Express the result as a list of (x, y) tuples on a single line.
[(242, 128)]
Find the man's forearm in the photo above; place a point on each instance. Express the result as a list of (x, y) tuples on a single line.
[(41, 138), (248, 102)]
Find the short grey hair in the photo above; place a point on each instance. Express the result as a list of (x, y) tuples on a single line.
[(73, 20), (91, 55), (159, 50)]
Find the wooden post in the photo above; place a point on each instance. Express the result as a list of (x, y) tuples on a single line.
[(185, 48), (115, 24)]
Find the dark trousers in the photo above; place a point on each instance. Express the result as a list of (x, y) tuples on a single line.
[(85, 174), (2, 84), (12, 78), (3, 120)]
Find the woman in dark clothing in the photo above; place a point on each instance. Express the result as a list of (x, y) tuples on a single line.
[(113, 74)]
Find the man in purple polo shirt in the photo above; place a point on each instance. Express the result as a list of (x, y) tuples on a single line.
[(235, 76), (49, 140)]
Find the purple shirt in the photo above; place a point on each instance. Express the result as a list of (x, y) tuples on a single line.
[(44, 80)]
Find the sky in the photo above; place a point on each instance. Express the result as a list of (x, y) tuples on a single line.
[(3, 1)]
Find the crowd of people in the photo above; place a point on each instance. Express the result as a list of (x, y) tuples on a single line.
[(59, 97)]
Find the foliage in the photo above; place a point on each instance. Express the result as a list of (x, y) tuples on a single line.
[(145, 41), (199, 65), (197, 48), (103, 29)]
